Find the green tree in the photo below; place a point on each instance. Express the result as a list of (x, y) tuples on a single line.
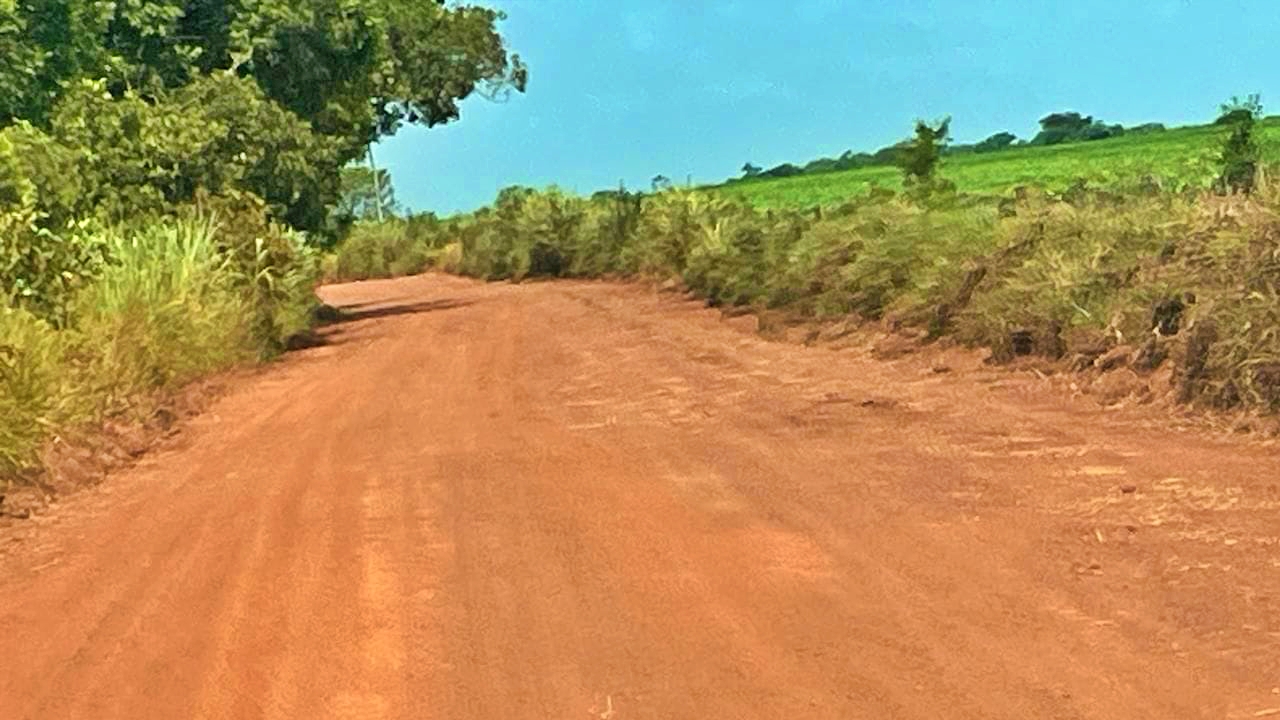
[(349, 71), (218, 134), (783, 170), (1065, 127), (1240, 152), (920, 157), (999, 141), (364, 192), (1237, 109)]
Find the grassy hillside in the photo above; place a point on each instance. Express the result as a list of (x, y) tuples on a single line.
[(1174, 156)]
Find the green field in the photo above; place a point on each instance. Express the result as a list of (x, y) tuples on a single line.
[(1176, 156)]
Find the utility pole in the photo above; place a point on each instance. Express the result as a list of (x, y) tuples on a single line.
[(377, 184)]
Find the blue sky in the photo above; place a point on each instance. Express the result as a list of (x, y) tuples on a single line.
[(627, 89)]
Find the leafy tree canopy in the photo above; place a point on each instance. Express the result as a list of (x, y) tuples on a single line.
[(1238, 110), (1066, 127), (1068, 121), (364, 191), (999, 141), (355, 68), (285, 91), (1240, 151), (920, 157)]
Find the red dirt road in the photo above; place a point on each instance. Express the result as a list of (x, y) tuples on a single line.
[(587, 501)]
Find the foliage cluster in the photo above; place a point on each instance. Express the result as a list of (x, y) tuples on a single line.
[(166, 305)]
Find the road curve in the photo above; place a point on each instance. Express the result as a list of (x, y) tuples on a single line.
[(584, 500)]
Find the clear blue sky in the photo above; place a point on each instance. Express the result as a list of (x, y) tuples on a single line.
[(627, 89)]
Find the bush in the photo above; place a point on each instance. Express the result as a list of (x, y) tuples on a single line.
[(671, 223), (1147, 128), (168, 304), (45, 254), (889, 256), (40, 270), (1067, 127), (781, 171), (1240, 152), (611, 224), (919, 159), (1060, 267), (386, 249), (1239, 109), (272, 264), (727, 263), (34, 386)]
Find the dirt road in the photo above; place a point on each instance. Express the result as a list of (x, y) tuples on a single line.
[(590, 501)]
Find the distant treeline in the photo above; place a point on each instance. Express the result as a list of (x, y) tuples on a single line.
[(1055, 129)]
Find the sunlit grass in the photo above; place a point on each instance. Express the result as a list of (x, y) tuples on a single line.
[(1173, 157), (169, 306)]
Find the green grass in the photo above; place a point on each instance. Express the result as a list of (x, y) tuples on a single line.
[(1176, 157), (169, 306)]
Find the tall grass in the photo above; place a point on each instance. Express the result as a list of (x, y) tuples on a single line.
[(169, 305)]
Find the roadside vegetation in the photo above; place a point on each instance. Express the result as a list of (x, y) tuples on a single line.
[(170, 173), (1151, 276)]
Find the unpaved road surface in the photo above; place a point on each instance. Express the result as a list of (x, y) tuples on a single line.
[(582, 500)]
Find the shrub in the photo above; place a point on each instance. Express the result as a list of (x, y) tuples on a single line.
[(1067, 127), (670, 224), (611, 224), (1240, 152), (781, 171), (384, 249), (1061, 267), (1144, 128), (41, 269), (919, 159), (34, 386), (727, 263), (272, 264), (168, 304), (45, 254)]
